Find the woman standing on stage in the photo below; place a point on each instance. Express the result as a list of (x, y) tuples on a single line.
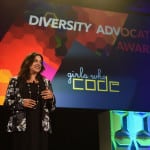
[(31, 100)]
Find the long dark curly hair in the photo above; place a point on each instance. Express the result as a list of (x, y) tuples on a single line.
[(24, 73)]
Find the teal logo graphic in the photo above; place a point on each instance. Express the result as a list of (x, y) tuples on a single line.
[(130, 130)]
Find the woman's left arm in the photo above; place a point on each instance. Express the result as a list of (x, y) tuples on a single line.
[(48, 95)]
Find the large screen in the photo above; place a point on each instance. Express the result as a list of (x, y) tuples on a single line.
[(95, 59)]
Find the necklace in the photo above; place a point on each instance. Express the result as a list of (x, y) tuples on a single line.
[(37, 94)]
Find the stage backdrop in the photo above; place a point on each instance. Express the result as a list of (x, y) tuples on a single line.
[(96, 59)]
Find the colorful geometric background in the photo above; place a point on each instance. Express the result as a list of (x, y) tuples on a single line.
[(21, 39), (122, 62)]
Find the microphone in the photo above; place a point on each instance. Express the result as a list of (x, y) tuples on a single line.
[(46, 84)]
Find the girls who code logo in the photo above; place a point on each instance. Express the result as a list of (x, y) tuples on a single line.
[(81, 81)]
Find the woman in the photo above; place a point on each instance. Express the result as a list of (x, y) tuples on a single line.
[(31, 100)]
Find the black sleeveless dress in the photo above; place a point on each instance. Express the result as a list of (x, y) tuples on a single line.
[(34, 138)]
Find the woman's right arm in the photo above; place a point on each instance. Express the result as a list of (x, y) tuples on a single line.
[(13, 99)]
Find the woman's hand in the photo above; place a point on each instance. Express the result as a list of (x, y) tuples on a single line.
[(29, 103), (47, 94)]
